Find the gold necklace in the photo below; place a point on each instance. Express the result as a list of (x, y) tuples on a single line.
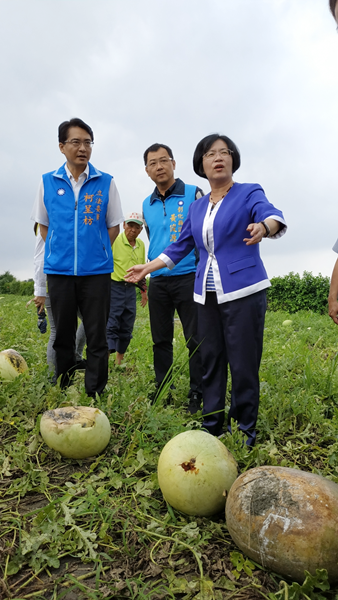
[(214, 203)]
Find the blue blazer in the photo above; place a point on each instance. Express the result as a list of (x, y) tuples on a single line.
[(238, 269)]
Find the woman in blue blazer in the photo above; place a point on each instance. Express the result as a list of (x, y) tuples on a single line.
[(226, 226)]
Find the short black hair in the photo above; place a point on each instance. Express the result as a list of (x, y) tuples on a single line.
[(204, 145), (332, 4), (65, 126), (155, 148)]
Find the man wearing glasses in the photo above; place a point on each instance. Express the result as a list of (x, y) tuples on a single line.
[(164, 212), (79, 211)]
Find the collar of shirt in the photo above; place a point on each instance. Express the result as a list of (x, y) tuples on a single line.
[(177, 189), (81, 178), (76, 185)]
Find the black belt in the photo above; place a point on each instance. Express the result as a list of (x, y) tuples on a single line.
[(126, 283)]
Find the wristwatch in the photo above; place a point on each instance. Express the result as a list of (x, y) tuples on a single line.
[(266, 227)]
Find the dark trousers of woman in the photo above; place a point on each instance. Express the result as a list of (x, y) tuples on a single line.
[(231, 333), (91, 294)]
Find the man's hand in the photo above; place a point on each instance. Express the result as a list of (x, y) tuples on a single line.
[(39, 302), (333, 295), (144, 299), (333, 310)]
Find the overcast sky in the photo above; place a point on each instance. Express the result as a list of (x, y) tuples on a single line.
[(263, 72)]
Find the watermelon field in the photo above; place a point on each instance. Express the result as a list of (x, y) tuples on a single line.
[(99, 528)]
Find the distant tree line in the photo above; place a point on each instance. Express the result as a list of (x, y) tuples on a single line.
[(290, 293), (10, 285)]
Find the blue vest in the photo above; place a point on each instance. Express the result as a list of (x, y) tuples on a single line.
[(78, 241), (164, 222)]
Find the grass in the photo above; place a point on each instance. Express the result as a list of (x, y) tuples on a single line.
[(99, 528)]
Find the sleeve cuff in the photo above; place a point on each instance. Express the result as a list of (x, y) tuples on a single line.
[(114, 223), (282, 231), (167, 261), (40, 291)]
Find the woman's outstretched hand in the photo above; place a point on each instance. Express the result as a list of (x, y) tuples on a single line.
[(135, 273), (257, 232)]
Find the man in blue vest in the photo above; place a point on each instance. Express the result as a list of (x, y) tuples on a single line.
[(79, 212), (164, 212)]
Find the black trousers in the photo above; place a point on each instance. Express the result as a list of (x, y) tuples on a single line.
[(165, 295), (122, 316), (231, 333), (91, 295)]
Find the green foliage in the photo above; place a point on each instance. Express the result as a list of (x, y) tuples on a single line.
[(307, 591), (100, 528), (5, 280), (292, 293), (241, 564), (10, 285)]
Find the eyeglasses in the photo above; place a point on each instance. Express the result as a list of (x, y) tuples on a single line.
[(163, 162), (212, 153), (77, 143)]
